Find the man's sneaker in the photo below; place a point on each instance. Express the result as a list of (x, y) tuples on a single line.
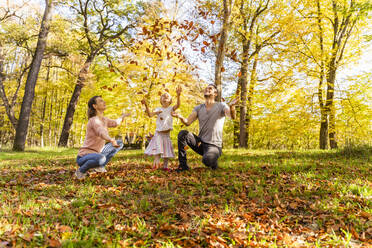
[(100, 169), (180, 169), (80, 175)]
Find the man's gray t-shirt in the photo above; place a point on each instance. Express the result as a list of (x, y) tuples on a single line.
[(211, 123)]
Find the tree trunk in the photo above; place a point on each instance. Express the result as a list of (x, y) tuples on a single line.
[(332, 128), (60, 106), (227, 6), (236, 130), (24, 117), (32, 134), (323, 133), (331, 78), (50, 118), (236, 120), (2, 122), (42, 122), (252, 85), (73, 102), (44, 109), (243, 95), (82, 126), (7, 105)]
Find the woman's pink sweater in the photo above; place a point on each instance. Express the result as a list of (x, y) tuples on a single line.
[(96, 130)]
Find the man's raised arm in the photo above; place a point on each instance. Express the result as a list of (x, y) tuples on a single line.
[(231, 112), (192, 117)]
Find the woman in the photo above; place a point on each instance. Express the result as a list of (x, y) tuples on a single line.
[(94, 153)]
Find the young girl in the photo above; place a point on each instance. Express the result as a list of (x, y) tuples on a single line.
[(161, 144)]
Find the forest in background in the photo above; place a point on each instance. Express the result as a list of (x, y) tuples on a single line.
[(283, 59)]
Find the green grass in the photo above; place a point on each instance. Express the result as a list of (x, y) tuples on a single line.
[(256, 199)]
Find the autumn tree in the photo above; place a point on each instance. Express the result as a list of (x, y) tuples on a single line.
[(100, 24), (335, 27), (9, 17), (24, 116), (249, 14)]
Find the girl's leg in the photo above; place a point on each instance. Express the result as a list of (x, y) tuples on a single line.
[(165, 165), (156, 161)]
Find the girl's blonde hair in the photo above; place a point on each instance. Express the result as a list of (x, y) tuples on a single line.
[(170, 97)]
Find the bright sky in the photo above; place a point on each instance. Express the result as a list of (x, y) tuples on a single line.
[(364, 64)]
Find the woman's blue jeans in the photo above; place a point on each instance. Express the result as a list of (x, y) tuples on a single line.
[(93, 160)]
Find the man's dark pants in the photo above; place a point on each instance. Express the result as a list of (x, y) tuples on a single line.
[(210, 152)]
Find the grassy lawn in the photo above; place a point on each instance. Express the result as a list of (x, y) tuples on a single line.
[(256, 199)]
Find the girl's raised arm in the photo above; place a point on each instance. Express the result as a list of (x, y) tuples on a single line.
[(179, 91), (148, 112)]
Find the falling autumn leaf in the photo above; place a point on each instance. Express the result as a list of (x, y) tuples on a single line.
[(194, 39)]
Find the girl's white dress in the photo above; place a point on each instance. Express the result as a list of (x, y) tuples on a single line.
[(161, 143)]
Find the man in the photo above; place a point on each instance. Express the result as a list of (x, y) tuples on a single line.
[(208, 143)]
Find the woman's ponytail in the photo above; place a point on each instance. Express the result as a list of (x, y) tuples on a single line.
[(91, 110)]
